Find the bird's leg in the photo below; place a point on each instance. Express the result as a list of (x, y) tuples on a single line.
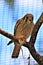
[(22, 40)]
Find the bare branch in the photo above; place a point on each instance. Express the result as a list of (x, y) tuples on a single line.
[(8, 35), (33, 52)]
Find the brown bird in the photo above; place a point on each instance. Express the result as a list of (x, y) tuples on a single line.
[(22, 31)]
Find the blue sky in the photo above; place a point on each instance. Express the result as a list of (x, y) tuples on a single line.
[(8, 18)]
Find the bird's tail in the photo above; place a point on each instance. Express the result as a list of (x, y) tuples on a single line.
[(10, 42), (16, 50)]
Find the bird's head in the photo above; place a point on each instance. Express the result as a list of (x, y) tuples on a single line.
[(28, 18)]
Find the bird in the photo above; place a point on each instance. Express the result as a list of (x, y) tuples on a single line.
[(22, 30)]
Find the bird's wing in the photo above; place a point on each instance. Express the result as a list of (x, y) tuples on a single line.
[(15, 28), (16, 25)]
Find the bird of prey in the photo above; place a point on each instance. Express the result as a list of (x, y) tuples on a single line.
[(22, 30)]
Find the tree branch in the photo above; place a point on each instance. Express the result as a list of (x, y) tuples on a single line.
[(8, 35), (31, 43)]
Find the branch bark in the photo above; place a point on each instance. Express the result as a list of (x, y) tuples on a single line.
[(8, 35), (31, 43)]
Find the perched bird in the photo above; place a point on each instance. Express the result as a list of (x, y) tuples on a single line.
[(22, 30)]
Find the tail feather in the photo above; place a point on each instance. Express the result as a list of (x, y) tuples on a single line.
[(10, 42), (16, 50)]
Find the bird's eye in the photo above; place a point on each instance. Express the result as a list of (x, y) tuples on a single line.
[(30, 20), (27, 17)]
